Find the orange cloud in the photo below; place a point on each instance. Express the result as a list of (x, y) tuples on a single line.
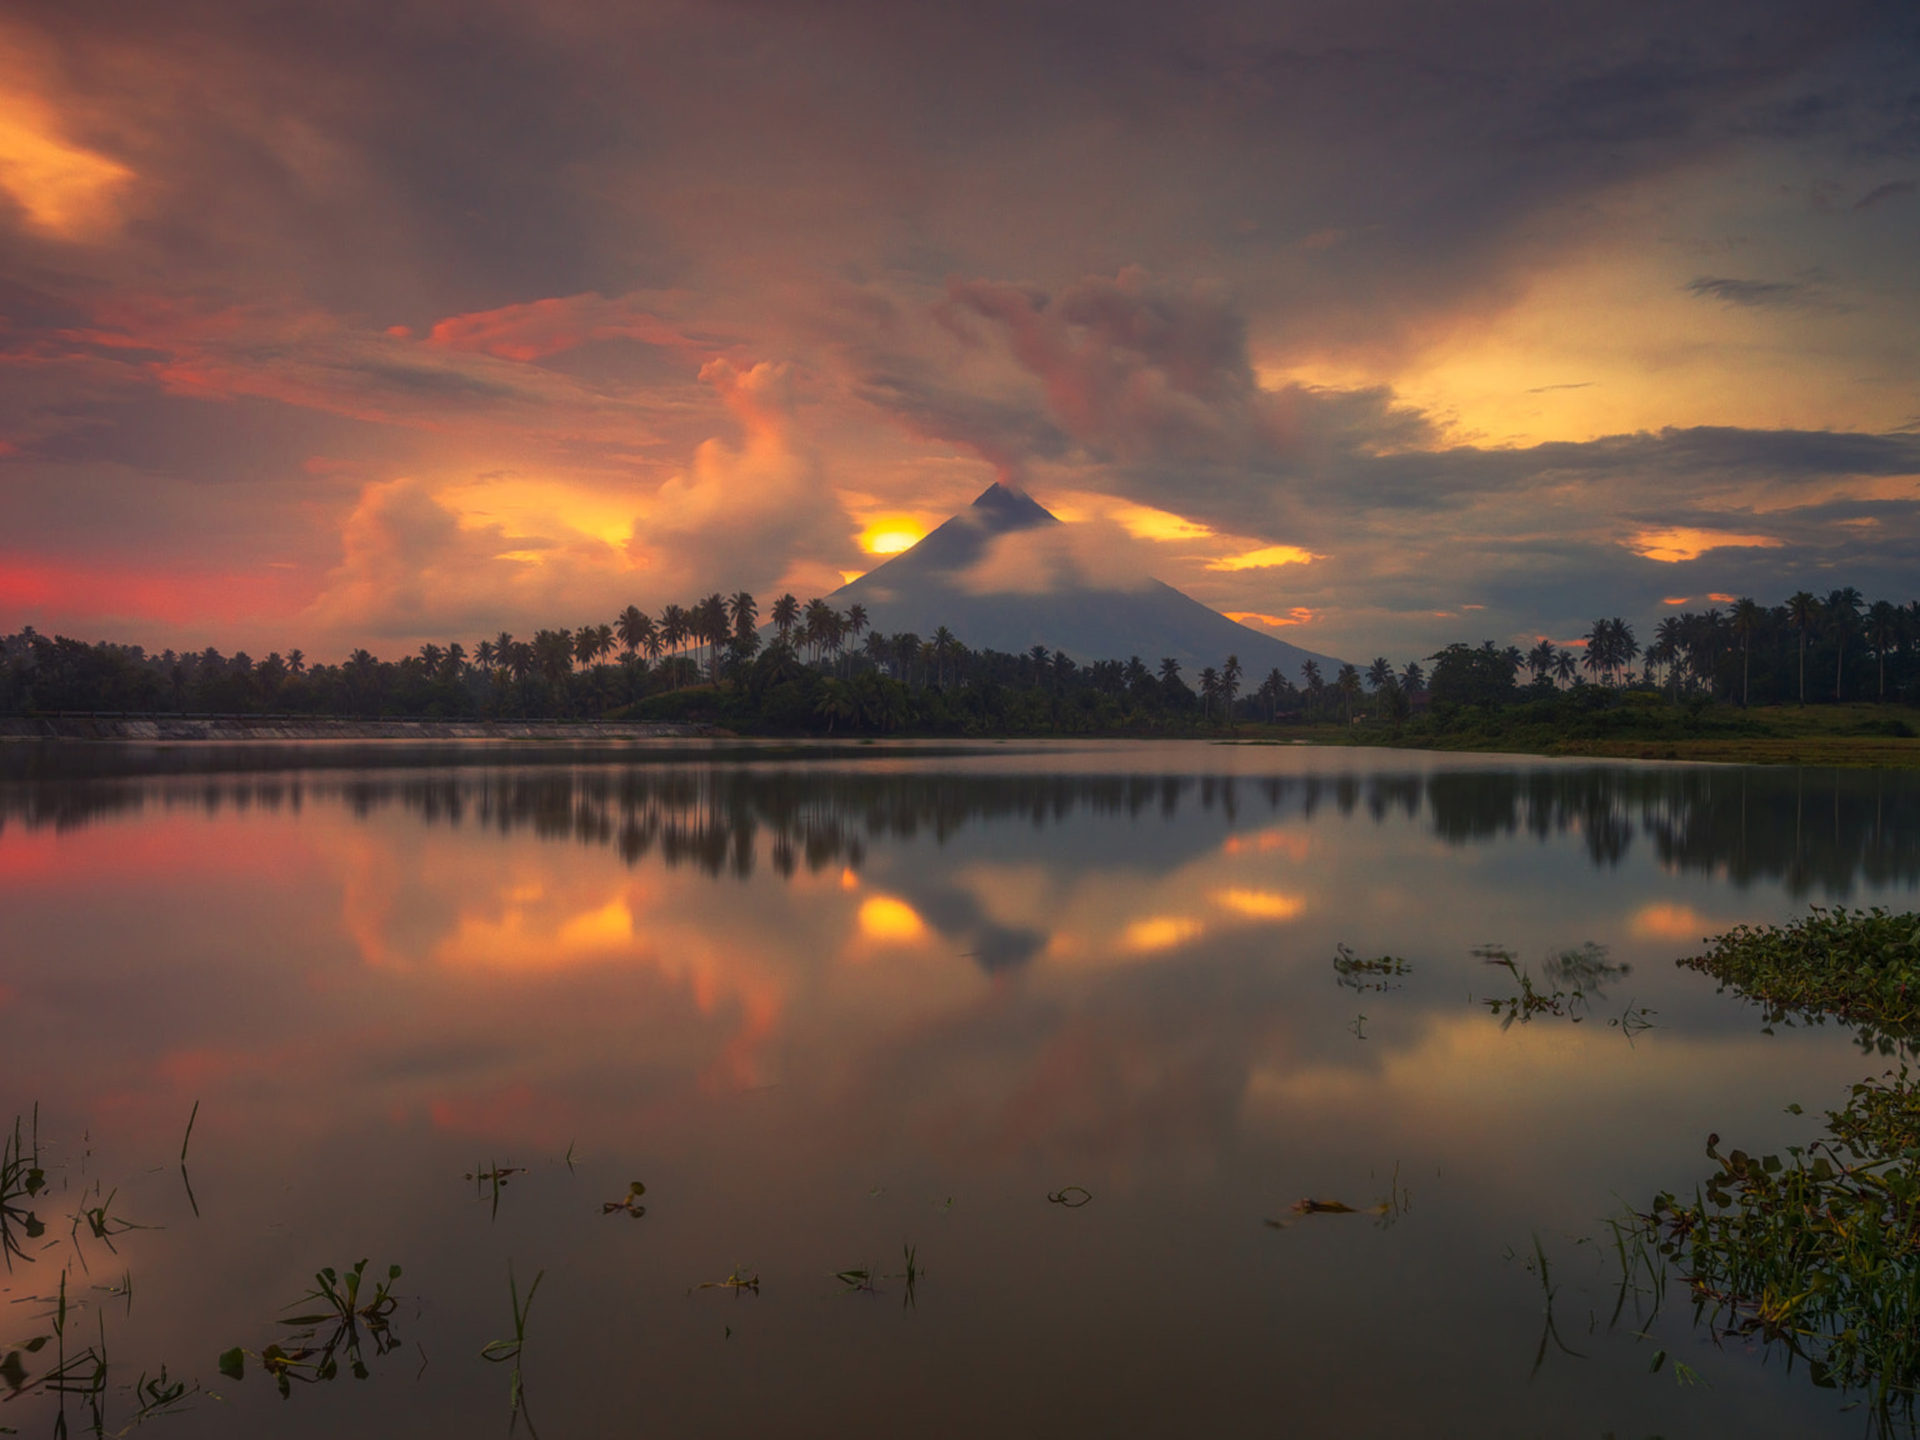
[(61, 189), (1265, 558), (177, 597), (1299, 615), (1674, 543), (540, 328)]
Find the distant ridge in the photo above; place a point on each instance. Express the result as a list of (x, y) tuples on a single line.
[(922, 588)]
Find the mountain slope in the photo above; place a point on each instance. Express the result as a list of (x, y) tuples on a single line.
[(925, 587)]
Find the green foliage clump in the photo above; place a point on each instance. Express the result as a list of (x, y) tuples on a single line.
[(1861, 965), (1818, 1253)]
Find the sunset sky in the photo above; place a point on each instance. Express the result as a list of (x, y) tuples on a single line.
[(1380, 323)]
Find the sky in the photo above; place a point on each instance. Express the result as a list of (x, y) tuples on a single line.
[(1376, 323)]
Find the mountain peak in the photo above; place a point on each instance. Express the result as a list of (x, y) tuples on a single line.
[(1005, 507)]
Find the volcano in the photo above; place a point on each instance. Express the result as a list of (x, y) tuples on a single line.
[(937, 582)]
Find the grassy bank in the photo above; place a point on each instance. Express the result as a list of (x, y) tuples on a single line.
[(1860, 736)]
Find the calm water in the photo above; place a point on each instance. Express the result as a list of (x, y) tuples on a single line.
[(826, 1010)]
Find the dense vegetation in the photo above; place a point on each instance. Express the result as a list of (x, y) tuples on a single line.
[(1817, 1251), (813, 669), (1861, 965)]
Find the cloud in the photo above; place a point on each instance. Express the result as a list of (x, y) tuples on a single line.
[(1674, 543), (412, 569), (1265, 558), (1748, 292), (542, 328), (1881, 193), (756, 514)]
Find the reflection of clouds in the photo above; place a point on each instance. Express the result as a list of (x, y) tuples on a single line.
[(1291, 842), (1666, 921), (1260, 904), (1161, 932), (884, 918)]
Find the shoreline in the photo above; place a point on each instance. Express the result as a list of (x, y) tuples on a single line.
[(166, 729)]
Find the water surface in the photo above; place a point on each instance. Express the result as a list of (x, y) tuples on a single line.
[(828, 1009)]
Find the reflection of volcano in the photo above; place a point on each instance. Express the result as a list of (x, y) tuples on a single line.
[(937, 583)]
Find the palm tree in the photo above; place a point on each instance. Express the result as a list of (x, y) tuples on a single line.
[(944, 647), (1379, 673), (1747, 619), (483, 654), (1229, 686), (456, 664), (714, 628), (743, 612), (1169, 670), (584, 642), (1843, 613), (856, 620), (634, 626), (1348, 684), (1316, 687), (1883, 633), (1597, 659), (1209, 687), (1624, 647), (1803, 612), (602, 641), (786, 610), (553, 655), (1540, 659), (519, 658), (1414, 678), (1666, 649), (836, 702), (673, 631)]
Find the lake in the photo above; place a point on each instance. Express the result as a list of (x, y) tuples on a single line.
[(972, 1091)]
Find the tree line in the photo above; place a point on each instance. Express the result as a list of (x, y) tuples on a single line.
[(813, 668)]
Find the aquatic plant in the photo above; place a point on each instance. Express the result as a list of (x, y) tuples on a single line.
[(1816, 1253), (628, 1204), (1861, 965), (501, 1352), (21, 1179), (491, 1181), (337, 1305), (1354, 973)]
